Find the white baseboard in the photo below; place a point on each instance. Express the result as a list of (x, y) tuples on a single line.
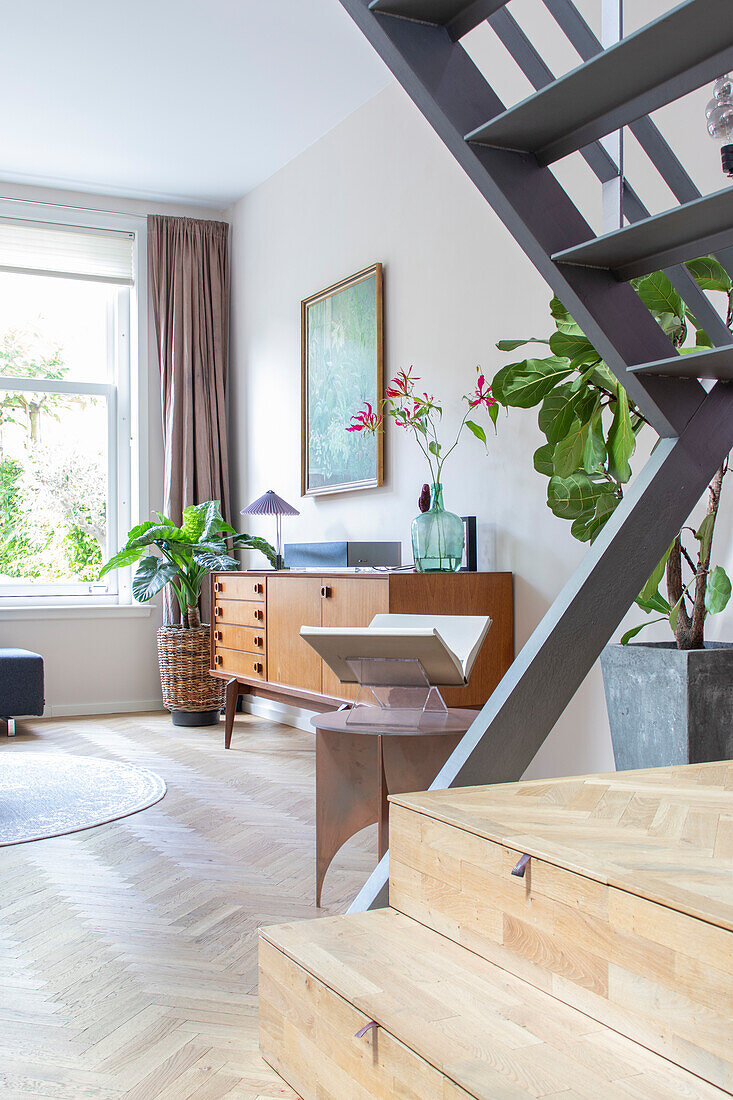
[(275, 711), (126, 706)]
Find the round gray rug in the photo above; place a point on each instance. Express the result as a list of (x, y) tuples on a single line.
[(49, 794)]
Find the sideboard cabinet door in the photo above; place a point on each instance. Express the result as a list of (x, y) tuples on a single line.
[(350, 601), (291, 603)]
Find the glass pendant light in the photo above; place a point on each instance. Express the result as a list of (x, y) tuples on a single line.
[(719, 113)]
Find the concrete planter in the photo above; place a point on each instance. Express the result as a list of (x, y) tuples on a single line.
[(669, 706)]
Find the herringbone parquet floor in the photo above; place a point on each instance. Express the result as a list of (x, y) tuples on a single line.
[(128, 953)]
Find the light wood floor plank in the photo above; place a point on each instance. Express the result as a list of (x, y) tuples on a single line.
[(128, 960)]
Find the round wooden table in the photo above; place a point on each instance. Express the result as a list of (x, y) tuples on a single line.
[(357, 767)]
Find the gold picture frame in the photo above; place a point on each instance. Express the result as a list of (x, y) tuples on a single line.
[(342, 367)]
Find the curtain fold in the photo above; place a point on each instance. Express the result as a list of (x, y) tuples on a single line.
[(189, 285)]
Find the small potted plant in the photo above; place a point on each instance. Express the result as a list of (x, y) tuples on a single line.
[(183, 557), (437, 535), (668, 702)]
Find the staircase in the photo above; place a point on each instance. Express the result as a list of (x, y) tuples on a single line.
[(560, 939), (507, 153)]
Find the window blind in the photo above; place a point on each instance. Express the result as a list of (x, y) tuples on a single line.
[(45, 248)]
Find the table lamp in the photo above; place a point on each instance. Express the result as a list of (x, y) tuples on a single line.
[(270, 504)]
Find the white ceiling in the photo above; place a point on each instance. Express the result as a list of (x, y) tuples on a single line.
[(190, 100)]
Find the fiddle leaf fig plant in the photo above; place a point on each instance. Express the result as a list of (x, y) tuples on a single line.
[(591, 428), (184, 556)]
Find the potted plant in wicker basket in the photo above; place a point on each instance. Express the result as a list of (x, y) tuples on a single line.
[(185, 556)]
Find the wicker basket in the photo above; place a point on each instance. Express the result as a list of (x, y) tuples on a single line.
[(184, 658)]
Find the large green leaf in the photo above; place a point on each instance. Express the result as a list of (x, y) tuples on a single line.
[(710, 274), (525, 384), (568, 454), (151, 575), (557, 412), (594, 455), (139, 530), (621, 439), (253, 542), (158, 532), (704, 535), (213, 562), (585, 528), (650, 598), (543, 459), (717, 592), (658, 294), (124, 558), (512, 345), (575, 496), (571, 346), (213, 519), (194, 521)]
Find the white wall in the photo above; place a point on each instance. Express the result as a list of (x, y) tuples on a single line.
[(102, 660), (381, 186)]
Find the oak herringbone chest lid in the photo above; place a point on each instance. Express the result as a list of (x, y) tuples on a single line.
[(665, 834)]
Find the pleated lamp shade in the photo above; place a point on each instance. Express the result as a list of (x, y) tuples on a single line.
[(270, 504)]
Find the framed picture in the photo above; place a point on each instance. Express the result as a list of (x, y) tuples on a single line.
[(468, 561), (342, 368)]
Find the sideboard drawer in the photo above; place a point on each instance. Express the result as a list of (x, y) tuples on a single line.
[(239, 613), (239, 588), (250, 665), (246, 638)]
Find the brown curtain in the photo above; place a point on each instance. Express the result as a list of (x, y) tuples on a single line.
[(189, 282)]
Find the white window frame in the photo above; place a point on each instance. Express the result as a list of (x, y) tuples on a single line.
[(127, 410)]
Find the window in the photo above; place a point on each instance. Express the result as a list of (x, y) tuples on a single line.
[(69, 407)]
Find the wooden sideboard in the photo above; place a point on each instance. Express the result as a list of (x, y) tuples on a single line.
[(256, 619)]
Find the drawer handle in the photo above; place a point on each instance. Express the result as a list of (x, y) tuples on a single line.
[(257, 589), (257, 667), (218, 659), (325, 591), (367, 1027), (258, 640), (259, 614), (218, 635), (218, 611), (521, 866), (217, 586)]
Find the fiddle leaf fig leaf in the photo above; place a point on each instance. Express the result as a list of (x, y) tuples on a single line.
[(571, 346), (650, 599), (557, 413), (543, 459), (658, 295), (523, 385), (621, 439), (710, 274), (704, 535), (717, 592), (512, 345), (594, 455), (568, 454), (585, 529), (575, 496)]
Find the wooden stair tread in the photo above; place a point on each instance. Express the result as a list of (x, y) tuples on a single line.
[(489, 1032), (664, 834)]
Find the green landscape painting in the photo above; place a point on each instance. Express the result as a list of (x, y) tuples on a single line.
[(342, 370)]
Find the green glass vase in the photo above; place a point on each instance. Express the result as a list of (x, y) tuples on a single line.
[(437, 537)]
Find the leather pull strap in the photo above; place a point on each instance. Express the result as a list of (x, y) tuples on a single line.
[(367, 1027), (521, 866)]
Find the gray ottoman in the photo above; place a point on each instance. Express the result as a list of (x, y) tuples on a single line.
[(21, 685)]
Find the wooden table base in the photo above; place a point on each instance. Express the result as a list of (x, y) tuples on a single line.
[(354, 775)]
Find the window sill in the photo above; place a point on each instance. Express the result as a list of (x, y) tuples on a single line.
[(32, 609)]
